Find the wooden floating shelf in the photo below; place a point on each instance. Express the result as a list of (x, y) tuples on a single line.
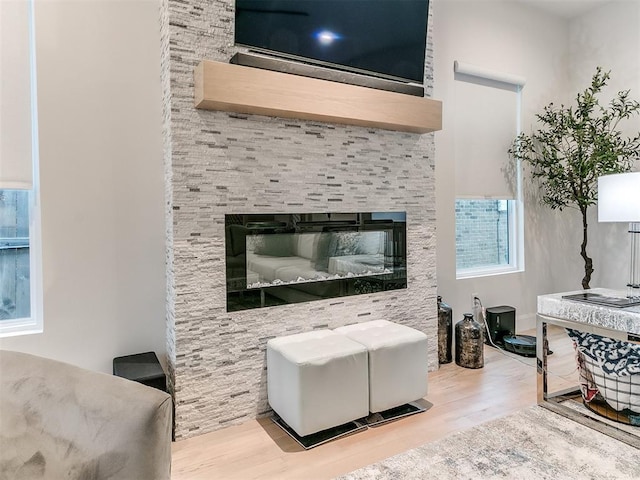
[(236, 88)]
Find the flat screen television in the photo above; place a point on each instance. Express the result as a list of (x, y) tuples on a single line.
[(384, 38)]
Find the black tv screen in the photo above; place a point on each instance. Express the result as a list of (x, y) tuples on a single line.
[(386, 38)]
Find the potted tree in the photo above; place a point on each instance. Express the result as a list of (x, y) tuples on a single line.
[(574, 146)]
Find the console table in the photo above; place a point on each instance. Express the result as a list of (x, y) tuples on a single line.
[(618, 323)]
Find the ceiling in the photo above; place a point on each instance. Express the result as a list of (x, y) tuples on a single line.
[(565, 8)]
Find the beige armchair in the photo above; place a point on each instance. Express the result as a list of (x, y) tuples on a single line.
[(60, 421)]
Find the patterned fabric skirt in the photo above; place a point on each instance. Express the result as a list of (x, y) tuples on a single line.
[(608, 367)]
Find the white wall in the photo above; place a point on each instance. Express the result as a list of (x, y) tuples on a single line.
[(505, 37), (102, 182), (558, 58), (608, 37)]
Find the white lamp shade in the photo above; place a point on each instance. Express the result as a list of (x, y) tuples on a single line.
[(619, 197)]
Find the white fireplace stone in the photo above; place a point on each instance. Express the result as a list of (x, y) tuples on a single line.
[(219, 163)]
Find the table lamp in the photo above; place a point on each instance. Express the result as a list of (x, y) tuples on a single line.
[(619, 201)]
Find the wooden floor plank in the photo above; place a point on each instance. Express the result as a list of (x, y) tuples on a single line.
[(461, 398)]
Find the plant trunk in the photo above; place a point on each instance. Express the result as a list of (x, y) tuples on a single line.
[(588, 262)]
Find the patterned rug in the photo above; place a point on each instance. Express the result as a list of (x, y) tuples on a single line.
[(531, 444)]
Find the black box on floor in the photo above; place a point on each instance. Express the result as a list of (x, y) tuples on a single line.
[(143, 368), (501, 321)]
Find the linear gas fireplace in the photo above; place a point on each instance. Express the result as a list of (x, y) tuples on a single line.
[(275, 259)]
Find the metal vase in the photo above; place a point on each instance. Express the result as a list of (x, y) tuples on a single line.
[(445, 331), (469, 343)]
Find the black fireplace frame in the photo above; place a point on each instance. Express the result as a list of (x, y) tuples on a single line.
[(239, 226)]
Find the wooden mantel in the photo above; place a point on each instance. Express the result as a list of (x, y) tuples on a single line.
[(236, 88)]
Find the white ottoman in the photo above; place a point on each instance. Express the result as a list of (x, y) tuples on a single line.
[(398, 362), (317, 380)]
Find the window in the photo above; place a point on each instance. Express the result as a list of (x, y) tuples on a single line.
[(20, 263), (488, 206), (14, 255), (486, 237), (20, 266)]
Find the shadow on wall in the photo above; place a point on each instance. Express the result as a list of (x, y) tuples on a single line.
[(555, 237), (610, 246)]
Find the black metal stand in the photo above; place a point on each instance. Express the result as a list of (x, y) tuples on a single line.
[(143, 368), (373, 420)]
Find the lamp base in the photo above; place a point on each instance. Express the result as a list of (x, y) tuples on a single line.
[(634, 268)]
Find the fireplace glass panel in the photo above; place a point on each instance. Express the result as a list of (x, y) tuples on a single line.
[(289, 258)]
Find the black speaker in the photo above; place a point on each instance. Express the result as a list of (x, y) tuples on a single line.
[(142, 368), (501, 321)]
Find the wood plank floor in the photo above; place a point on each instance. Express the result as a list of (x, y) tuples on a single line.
[(461, 398)]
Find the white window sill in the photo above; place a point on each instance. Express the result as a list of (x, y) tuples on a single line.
[(22, 326), (487, 271)]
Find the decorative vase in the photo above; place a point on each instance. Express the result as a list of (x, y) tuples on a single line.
[(445, 331), (469, 343)]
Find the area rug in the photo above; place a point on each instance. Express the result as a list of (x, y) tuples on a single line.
[(531, 444)]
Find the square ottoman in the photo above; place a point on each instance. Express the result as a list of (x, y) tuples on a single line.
[(317, 380), (398, 362)]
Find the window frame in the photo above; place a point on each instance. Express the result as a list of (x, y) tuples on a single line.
[(515, 245), (35, 322)]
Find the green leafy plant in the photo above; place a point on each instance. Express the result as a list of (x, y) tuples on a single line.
[(574, 146)]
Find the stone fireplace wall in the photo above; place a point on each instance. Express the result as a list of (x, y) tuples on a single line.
[(221, 163)]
